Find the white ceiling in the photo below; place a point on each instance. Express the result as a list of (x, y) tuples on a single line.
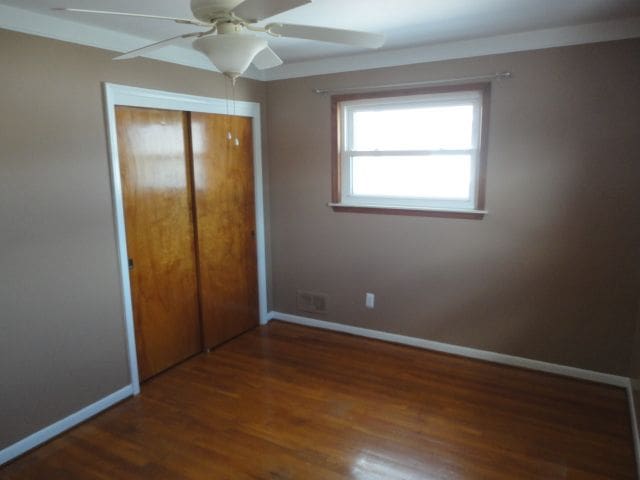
[(408, 24)]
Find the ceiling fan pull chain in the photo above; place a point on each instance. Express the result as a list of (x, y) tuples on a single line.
[(226, 107), (233, 90)]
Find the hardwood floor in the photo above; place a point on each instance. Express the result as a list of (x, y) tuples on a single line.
[(289, 402)]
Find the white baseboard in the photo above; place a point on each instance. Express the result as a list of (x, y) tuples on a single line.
[(634, 424), (47, 433), (501, 358), (606, 378), (89, 411)]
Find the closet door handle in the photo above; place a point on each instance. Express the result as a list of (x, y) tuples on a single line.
[(130, 263)]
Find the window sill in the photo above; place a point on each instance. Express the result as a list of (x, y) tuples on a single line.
[(407, 210)]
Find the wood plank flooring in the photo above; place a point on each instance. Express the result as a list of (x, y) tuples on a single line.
[(288, 402)]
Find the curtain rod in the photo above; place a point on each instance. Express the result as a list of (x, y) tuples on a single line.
[(494, 76)]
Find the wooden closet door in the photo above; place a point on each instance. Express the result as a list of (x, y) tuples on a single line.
[(153, 147), (225, 218)]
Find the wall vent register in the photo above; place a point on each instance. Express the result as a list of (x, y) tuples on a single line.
[(311, 302)]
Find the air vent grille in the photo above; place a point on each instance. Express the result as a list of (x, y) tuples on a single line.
[(312, 302)]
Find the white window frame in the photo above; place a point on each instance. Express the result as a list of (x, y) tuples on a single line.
[(347, 109)]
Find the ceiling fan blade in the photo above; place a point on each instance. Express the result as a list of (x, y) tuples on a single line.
[(149, 48), (138, 15), (333, 35), (256, 10), (267, 58)]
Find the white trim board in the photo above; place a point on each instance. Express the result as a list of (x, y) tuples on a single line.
[(142, 97), (47, 433), (478, 47), (63, 425), (67, 30), (501, 358), (605, 378), (634, 424)]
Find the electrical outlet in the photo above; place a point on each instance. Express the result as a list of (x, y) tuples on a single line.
[(369, 300)]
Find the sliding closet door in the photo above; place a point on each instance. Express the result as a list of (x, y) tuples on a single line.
[(153, 148), (225, 218)]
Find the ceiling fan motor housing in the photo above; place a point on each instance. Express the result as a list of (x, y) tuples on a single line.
[(208, 10), (229, 27)]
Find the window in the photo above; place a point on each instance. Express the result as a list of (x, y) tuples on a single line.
[(411, 151)]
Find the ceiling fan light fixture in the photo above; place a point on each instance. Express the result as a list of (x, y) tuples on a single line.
[(231, 53), (227, 45)]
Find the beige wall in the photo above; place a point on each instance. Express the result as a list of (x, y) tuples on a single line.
[(62, 339), (550, 273)]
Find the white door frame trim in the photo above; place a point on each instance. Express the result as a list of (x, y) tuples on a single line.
[(142, 97)]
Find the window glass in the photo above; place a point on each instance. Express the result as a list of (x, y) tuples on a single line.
[(423, 176), (425, 128), (417, 151)]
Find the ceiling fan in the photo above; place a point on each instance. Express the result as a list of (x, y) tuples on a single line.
[(228, 41)]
